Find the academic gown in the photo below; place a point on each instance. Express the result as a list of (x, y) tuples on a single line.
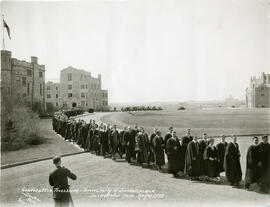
[(232, 165), (133, 135), (159, 146), (221, 148), (210, 157), (182, 157), (203, 144), (264, 149), (128, 145), (193, 163), (151, 147), (144, 148), (252, 168), (172, 148)]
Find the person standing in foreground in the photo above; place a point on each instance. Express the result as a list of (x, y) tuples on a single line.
[(159, 146), (193, 163), (253, 164), (232, 165), (221, 148), (59, 180), (172, 148), (264, 147), (210, 157)]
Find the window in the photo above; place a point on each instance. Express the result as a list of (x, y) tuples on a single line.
[(64, 104), (86, 103), (82, 95), (85, 95), (56, 95), (40, 89), (28, 88), (17, 80), (82, 103), (82, 86), (262, 94), (56, 103), (69, 76), (48, 88), (69, 94), (24, 95), (86, 86), (40, 74), (56, 88), (29, 72), (48, 95), (69, 87), (24, 81)]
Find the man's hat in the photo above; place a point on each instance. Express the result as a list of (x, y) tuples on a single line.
[(56, 159), (170, 128)]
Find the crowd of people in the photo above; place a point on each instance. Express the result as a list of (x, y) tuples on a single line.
[(187, 156)]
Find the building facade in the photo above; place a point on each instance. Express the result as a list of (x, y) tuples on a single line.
[(52, 95), (22, 79), (77, 89), (258, 93)]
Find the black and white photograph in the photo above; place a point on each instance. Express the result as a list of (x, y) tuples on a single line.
[(118, 103)]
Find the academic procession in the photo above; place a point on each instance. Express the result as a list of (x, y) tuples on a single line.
[(188, 156)]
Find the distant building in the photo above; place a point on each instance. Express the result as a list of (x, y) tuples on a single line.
[(258, 93), (52, 94), (77, 89), (21, 79)]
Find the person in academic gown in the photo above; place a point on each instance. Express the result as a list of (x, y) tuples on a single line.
[(210, 157), (221, 148), (129, 147), (172, 148), (231, 164), (116, 142), (122, 144), (95, 138), (144, 147), (168, 136), (109, 135), (264, 147), (193, 163), (159, 146), (151, 146), (203, 144), (253, 167), (133, 135), (104, 141), (182, 155)]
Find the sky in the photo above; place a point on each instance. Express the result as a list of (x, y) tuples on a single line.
[(147, 50)]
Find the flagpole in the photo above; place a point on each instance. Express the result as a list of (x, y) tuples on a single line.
[(3, 32)]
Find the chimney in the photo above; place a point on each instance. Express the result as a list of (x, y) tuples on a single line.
[(34, 59)]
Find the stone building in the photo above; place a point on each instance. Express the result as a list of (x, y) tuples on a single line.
[(77, 89), (21, 79), (258, 93), (52, 94)]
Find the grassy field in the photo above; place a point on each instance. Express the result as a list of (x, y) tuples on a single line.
[(212, 121)]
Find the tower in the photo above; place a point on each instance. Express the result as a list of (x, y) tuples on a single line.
[(6, 78)]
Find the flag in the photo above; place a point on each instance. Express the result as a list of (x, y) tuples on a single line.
[(7, 28)]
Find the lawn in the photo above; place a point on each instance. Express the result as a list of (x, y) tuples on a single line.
[(212, 121)]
